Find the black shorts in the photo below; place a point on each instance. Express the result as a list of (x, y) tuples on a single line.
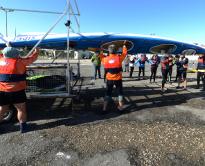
[(183, 74), (7, 98), (117, 84)]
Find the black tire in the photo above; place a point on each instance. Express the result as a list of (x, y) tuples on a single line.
[(10, 115)]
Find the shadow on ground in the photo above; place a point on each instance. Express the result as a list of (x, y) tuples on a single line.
[(86, 109)]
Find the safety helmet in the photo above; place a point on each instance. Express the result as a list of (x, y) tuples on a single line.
[(112, 49), (10, 52)]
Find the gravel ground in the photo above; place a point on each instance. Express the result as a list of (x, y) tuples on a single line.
[(158, 128)]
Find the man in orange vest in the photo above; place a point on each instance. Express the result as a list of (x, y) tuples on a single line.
[(13, 83), (113, 69), (201, 73)]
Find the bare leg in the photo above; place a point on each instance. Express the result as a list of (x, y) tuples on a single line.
[(22, 114), (105, 105), (198, 79), (162, 87), (179, 81), (185, 83), (3, 110), (120, 103)]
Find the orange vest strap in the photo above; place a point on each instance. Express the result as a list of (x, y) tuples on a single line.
[(112, 64), (200, 60)]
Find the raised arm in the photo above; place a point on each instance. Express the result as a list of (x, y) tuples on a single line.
[(124, 53), (30, 59)]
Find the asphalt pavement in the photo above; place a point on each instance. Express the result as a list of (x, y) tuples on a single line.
[(157, 128)]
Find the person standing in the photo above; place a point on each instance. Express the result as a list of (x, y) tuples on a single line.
[(126, 63), (141, 62), (113, 67), (154, 65), (13, 83), (97, 64), (165, 70), (183, 66), (171, 64), (131, 64), (176, 62), (201, 70)]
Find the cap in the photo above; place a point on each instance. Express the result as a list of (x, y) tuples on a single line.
[(10, 52)]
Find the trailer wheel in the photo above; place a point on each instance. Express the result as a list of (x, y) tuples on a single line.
[(10, 115)]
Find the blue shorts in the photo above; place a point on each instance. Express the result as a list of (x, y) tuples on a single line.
[(7, 98)]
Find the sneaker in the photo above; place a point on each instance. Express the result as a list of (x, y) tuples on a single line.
[(123, 108), (163, 90), (23, 127), (178, 87)]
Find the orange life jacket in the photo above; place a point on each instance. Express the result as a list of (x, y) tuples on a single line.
[(201, 63), (112, 64), (201, 60), (11, 78)]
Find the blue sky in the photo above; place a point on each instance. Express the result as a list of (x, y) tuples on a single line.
[(182, 20)]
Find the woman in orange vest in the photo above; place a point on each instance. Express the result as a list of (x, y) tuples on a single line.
[(113, 69), (13, 83), (164, 70), (171, 64)]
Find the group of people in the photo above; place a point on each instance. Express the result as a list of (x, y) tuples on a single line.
[(113, 70), (167, 62), (181, 63), (13, 75)]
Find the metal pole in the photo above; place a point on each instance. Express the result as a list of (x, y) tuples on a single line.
[(60, 18), (76, 4), (78, 66), (68, 72), (33, 11), (78, 12), (72, 12)]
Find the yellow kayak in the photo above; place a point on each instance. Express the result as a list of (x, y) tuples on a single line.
[(195, 70)]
